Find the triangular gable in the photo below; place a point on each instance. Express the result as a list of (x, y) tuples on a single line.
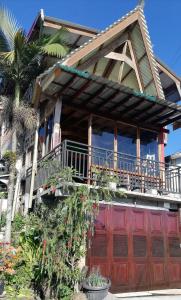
[(131, 30)]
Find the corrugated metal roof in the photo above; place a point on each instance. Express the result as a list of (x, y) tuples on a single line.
[(112, 99)]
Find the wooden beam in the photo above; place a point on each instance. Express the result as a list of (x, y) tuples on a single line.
[(118, 104), (132, 106), (121, 57), (170, 121), (137, 69), (141, 112), (71, 29), (82, 108), (123, 63), (112, 97), (82, 89), (152, 67), (166, 115), (103, 52), (101, 39), (149, 116), (110, 66)]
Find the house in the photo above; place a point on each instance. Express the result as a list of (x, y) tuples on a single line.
[(106, 105)]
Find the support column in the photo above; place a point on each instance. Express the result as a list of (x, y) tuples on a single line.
[(89, 147), (138, 148), (161, 155), (56, 137), (115, 147), (161, 158), (34, 164), (44, 139)]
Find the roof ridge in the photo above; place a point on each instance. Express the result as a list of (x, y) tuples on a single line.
[(150, 47)]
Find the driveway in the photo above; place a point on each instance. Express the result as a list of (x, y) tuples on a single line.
[(173, 294)]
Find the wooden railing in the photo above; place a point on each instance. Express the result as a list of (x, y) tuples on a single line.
[(132, 173)]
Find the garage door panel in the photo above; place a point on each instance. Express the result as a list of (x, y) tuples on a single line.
[(159, 274), (120, 274), (139, 221), (174, 271), (100, 222), (156, 223), (141, 274), (99, 245), (119, 219), (172, 224)]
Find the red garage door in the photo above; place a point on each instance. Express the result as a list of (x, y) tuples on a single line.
[(136, 248)]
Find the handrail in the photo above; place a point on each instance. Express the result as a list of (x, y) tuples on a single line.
[(136, 171)]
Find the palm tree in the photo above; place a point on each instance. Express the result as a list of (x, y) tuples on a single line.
[(21, 62)]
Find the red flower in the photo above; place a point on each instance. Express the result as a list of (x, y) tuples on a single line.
[(95, 206)]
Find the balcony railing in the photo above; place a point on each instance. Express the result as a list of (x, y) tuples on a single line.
[(133, 174)]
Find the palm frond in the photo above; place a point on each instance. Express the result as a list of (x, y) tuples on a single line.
[(59, 36), (8, 56), (55, 49), (19, 45), (8, 26), (25, 118), (6, 115)]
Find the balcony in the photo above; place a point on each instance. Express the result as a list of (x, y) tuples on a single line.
[(133, 174)]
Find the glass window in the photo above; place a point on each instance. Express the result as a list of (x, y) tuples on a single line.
[(103, 142), (149, 145), (127, 140)]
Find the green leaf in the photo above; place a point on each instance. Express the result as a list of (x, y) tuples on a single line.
[(57, 50)]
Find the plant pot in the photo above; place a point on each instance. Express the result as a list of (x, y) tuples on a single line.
[(96, 293), (1, 287)]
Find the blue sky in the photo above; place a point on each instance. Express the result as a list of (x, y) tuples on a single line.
[(163, 18)]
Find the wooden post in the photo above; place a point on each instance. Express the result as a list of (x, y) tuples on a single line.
[(138, 145), (34, 164), (115, 146), (56, 137), (89, 146), (161, 157), (44, 139)]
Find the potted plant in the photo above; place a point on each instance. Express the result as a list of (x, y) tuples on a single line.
[(95, 286)]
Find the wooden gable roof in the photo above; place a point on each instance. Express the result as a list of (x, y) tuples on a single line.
[(131, 29)]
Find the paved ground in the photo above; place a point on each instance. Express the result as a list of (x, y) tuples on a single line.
[(174, 294), (169, 297)]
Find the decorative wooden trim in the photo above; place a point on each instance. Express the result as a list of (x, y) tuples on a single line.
[(149, 58), (121, 57), (133, 56), (71, 29), (96, 43)]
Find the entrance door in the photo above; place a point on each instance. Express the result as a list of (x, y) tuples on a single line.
[(138, 249)]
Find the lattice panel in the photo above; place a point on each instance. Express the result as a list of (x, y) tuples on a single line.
[(120, 245), (139, 246)]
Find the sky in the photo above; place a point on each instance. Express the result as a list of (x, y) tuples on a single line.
[(163, 19)]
